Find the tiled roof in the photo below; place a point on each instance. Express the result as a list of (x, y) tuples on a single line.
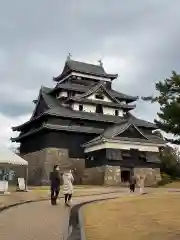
[(86, 68), (83, 89), (114, 133), (94, 89), (55, 109), (55, 127), (75, 128)]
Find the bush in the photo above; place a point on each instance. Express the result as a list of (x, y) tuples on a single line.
[(165, 179)]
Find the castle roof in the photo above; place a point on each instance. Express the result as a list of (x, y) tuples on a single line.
[(116, 131), (82, 89), (57, 110), (86, 68)]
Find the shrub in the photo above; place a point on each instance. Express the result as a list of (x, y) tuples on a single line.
[(165, 179)]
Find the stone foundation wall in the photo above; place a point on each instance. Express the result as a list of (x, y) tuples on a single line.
[(112, 175), (41, 164), (152, 175), (78, 166), (35, 166), (54, 156), (93, 176)]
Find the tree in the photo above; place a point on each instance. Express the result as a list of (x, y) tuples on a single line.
[(169, 101), (170, 163)]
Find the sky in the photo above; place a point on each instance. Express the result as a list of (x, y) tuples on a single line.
[(139, 40)]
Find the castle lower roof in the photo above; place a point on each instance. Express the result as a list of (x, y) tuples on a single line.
[(82, 89), (55, 109)]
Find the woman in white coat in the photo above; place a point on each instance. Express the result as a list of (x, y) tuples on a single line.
[(141, 184), (67, 186)]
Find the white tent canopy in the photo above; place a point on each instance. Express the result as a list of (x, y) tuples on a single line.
[(8, 157)]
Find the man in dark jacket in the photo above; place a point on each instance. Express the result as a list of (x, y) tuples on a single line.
[(55, 184), (132, 183)]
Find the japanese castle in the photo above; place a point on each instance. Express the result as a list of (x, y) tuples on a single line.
[(85, 125)]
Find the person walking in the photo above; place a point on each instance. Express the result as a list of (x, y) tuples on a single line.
[(68, 186), (132, 183), (55, 184), (141, 184)]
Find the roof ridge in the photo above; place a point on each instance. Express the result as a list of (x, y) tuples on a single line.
[(76, 61)]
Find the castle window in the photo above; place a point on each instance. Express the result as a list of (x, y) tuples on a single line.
[(81, 108), (143, 157), (116, 112), (126, 154), (99, 109), (99, 96), (71, 94)]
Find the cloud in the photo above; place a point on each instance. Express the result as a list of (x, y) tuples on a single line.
[(139, 40), (6, 132)]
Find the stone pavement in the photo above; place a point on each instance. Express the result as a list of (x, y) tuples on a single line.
[(40, 220), (34, 221)]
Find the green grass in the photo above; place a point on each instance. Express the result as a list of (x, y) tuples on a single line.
[(145, 217)]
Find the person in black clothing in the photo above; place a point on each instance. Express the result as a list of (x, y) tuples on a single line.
[(55, 184), (132, 183)]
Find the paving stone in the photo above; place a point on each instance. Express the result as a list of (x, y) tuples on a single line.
[(34, 221)]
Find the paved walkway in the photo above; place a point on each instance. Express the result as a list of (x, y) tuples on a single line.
[(40, 220), (34, 221)]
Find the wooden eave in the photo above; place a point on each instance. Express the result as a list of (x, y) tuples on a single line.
[(56, 127), (20, 127), (109, 104)]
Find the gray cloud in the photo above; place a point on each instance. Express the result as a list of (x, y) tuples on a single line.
[(37, 35)]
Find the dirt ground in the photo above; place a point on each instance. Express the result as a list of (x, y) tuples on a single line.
[(146, 217)]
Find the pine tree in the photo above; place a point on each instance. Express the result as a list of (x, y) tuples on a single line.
[(169, 101), (170, 163)]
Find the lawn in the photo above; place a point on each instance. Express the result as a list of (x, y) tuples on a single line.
[(46, 188), (174, 184), (146, 217), (79, 190)]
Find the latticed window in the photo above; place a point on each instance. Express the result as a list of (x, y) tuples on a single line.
[(80, 107), (126, 153), (99, 96), (143, 156), (99, 109)]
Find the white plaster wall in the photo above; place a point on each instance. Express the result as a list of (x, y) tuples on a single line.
[(108, 111), (75, 106), (120, 113), (111, 111), (93, 97), (90, 76), (127, 146), (92, 109), (62, 94), (89, 108), (86, 107), (123, 102)]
